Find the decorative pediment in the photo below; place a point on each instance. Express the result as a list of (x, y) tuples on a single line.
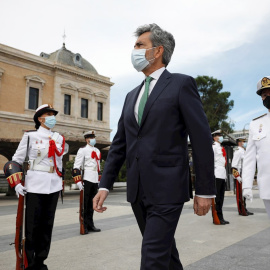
[(85, 90), (34, 78), (69, 86), (100, 94)]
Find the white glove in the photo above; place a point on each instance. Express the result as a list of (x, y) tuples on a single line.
[(239, 179), (247, 193), (20, 190), (80, 185)]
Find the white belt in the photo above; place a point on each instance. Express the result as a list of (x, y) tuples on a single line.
[(49, 169), (90, 169)]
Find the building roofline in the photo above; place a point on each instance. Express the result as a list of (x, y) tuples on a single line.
[(53, 65)]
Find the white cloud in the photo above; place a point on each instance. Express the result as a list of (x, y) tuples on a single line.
[(239, 117), (102, 32)]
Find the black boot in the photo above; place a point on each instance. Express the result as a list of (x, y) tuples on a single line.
[(93, 228), (224, 221), (40, 266)]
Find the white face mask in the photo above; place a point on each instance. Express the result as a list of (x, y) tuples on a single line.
[(220, 139), (92, 142), (138, 59), (50, 121)]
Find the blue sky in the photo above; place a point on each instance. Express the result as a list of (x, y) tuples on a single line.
[(228, 40), (240, 69)]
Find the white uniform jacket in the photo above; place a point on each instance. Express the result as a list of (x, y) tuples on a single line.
[(40, 181), (220, 161), (258, 150), (237, 161), (90, 165)]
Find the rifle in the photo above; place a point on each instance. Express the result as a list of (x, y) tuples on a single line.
[(21, 259), (233, 139), (214, 213), (241, 202), (81, 210)]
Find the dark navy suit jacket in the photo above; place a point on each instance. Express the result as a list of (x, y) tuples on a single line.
[(156, 152)]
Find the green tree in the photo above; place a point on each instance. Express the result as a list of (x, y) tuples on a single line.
[(216, 104), (102, 164), (68, 169), (122, 176)]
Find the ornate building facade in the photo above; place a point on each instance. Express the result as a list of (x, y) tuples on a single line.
[(62, 78)]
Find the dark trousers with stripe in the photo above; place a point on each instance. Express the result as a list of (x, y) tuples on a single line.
[(39, 219), (90, 191), (221, 186), (157, 224)]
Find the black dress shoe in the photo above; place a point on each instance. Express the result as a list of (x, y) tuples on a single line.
[(225, 221), (85, 231), (249, 213), (222, 222), (41, 266), (93, 229)]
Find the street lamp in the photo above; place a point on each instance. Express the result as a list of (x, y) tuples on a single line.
[(244, 128)]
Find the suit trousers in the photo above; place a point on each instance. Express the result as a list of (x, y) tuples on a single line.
[(157, 224), (221, 186), (39, 219), (90, 191)]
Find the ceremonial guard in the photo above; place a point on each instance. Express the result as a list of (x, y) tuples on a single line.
[(88, 160), (237, 165), (220, 174), (258, 150), (43, 184)]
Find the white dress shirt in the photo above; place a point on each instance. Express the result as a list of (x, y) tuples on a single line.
[(155, 75)]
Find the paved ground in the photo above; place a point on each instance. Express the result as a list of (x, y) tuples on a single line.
[(244, 244)]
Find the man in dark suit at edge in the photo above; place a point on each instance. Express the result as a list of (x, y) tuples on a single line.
[(156, 119)]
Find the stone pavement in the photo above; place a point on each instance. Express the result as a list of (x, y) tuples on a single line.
[(244, 244)]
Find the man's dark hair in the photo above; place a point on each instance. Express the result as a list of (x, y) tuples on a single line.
[(159, 37)]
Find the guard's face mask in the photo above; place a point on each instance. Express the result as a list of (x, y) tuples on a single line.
[(220, 139), (50, 121), (266, 102), (92, 142)]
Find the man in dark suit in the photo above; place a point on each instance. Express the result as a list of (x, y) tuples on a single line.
[(157, 118)]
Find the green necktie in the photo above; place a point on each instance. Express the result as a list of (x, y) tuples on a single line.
[(144, 99)]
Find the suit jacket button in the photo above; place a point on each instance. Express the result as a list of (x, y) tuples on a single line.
[(137, 158)]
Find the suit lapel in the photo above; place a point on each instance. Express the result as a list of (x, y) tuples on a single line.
[(133, 102), (157, 90)]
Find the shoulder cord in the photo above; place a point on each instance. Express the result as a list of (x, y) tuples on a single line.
[(94, 156), (53, 150)]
